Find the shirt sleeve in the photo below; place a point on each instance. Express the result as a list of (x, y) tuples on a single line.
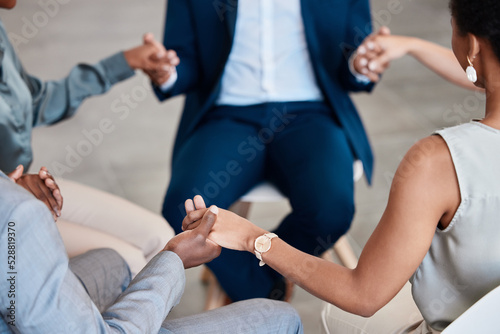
[(49, 298), (59, 99), (167, 85)]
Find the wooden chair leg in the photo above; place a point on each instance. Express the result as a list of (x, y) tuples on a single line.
[(345, 253)]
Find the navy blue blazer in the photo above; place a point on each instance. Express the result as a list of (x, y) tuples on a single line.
[(202, 32)]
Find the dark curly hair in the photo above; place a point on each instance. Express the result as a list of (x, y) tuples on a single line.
[(480, 18)]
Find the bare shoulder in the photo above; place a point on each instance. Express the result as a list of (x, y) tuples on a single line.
[(428, 159), (427, 174)]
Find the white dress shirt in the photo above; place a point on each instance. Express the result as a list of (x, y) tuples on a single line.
[(269, 60)]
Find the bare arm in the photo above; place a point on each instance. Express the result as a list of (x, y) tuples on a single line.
[(424, 192), (385, 48)]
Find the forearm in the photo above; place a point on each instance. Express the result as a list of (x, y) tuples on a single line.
[(57, 100), (326, 280), (441, 60)]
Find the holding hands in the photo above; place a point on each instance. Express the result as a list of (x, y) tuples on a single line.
[(376, 52), (152, 58), (193, 246), (229, 231), (42, 186)]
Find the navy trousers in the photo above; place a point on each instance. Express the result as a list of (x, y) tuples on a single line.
[(300, 147)]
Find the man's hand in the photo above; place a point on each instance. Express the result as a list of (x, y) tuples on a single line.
[(230, 231), (152, 58), (193, 246), (42, 186)]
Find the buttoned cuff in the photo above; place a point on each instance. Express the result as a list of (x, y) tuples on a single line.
[(116, 68), (167, 85)]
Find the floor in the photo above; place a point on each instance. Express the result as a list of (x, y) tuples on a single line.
[(133, 160)]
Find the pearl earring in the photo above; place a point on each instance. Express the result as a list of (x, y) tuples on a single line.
[(471, 71)]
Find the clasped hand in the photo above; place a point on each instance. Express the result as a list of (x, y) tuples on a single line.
[(229, 231), (376, 52), (153, 59), (42, 186)]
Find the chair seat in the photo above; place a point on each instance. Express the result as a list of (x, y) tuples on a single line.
[(262, 193), (266, 192), (482, 317)]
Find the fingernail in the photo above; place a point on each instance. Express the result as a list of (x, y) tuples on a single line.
[(18, 167), (370, 45), (363, 61), (372, 66), (166, 68), (361, 50), (160, 54), (214, 209), (364, 71)]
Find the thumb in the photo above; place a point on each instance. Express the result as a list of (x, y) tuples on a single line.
[(208, 220), (148, 38), (384, 31), (17, 173)]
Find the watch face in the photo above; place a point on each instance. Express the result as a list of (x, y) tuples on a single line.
[(262, 244)]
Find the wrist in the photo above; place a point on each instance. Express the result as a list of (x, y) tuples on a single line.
[(413, 45), (131, 59), (250, 242)]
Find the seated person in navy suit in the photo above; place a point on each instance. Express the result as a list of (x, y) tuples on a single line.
[(267, 86)]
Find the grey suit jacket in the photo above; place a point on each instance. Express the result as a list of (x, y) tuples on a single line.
[(39, 294)]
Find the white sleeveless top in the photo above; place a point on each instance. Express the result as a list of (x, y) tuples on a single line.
[(463, 262)]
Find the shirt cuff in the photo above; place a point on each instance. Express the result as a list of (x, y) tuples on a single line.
[(359, 77), (116, 68), (167, 85)]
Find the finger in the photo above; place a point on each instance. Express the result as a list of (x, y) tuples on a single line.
[(17, 173), (56, 192), (384, 31), (208, 220), (148, 38), (160, 48), (49, 199), (372, 76), (59, 199), (175, 61), (360, 63), (192, 225), (373, 46), (199, 203), (189, 205), (192, 217), (379, 64)]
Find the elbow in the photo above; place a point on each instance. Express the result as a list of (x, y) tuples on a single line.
[(364, 309), (365, 305), (367, 311)]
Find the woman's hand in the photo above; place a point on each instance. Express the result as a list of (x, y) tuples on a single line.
[(42, 186), (230, 230)]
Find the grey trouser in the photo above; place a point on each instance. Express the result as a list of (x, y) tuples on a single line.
[(105, 275)]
